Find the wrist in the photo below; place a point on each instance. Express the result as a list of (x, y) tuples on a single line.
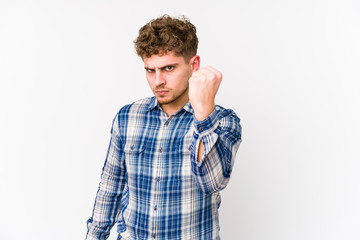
[(202, 114)]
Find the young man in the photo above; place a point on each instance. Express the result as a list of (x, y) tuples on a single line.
[(171, 154)]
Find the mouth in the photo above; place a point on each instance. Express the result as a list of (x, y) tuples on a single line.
[(161, 92)]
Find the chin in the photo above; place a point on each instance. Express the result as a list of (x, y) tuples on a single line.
[(164, 100)]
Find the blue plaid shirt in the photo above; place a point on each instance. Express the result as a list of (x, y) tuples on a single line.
[(152, 183)]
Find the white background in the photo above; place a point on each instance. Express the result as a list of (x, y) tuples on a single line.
[(291, 72)]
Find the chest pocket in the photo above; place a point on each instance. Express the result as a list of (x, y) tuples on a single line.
[(136, 153), (134, 148), (139, 164)]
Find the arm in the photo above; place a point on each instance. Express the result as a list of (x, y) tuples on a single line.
[(108, 198), (215, 143), (217, 133)]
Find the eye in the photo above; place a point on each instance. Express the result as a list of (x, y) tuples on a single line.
[(169, 68), (149, 70)]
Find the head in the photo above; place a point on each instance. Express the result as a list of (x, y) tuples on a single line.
[(165, 34), (168, 47)]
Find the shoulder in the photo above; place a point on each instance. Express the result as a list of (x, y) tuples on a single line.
[(137, 107), (130, 113)]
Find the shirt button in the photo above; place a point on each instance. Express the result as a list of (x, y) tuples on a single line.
[(160, 150), (153, 235), (158, 179), (189, 148), (155, 207), (166, 124), (132, 147), (201, 129)]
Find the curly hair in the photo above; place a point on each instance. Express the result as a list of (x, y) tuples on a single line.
[(165, 34)]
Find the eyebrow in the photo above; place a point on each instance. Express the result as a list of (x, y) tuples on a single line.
[(163, 67)]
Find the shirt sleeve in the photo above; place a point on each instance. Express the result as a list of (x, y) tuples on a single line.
[(108, 198), (220, 134)]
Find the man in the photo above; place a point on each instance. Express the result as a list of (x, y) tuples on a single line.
[(171, 154)]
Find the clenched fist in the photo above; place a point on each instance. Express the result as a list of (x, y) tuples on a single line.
[(203, 86)]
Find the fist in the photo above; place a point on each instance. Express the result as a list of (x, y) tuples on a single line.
[(203, 86)]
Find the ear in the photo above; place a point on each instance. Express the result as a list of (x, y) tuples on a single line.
[(195, 63)]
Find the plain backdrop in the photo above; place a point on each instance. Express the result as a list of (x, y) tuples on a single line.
[(291, 73)]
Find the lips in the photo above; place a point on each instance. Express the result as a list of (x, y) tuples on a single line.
[(161, 92)]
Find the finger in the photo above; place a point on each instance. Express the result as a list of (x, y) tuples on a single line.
[(215, 71), (202, 72), (210, 74)]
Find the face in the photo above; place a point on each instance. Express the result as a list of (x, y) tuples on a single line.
[(168, 76)]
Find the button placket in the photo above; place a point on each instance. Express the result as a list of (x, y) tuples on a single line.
[(161, 150)]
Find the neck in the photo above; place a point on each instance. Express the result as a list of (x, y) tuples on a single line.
[(173, 107)]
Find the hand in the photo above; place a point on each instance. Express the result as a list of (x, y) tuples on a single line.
[(203, 86)]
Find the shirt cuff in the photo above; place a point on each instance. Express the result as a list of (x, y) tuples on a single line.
[(207, 125)]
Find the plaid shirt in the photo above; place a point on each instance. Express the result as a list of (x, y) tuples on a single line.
[(152, 183)]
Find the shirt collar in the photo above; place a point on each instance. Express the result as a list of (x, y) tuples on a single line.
[(154, 104), (187, 107)]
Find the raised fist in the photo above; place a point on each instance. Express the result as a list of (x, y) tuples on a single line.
[(203, 86)]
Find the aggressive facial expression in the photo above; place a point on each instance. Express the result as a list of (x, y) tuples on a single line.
[(168, 76)]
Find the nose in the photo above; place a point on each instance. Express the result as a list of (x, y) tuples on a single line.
[(159, 79)]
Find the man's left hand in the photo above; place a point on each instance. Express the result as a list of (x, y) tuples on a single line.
[(203, 86)]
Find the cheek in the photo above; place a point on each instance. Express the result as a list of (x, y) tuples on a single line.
[(182, 82), (149, 79), (185, 78), (150, 82)]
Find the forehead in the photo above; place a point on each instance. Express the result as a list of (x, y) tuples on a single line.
[(161, 60)]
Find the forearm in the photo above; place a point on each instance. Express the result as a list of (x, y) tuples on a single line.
[(107, 205), (215, 144), (200, 151)]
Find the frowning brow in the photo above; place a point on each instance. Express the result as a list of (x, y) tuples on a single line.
[(147, 69), (163, 67)]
